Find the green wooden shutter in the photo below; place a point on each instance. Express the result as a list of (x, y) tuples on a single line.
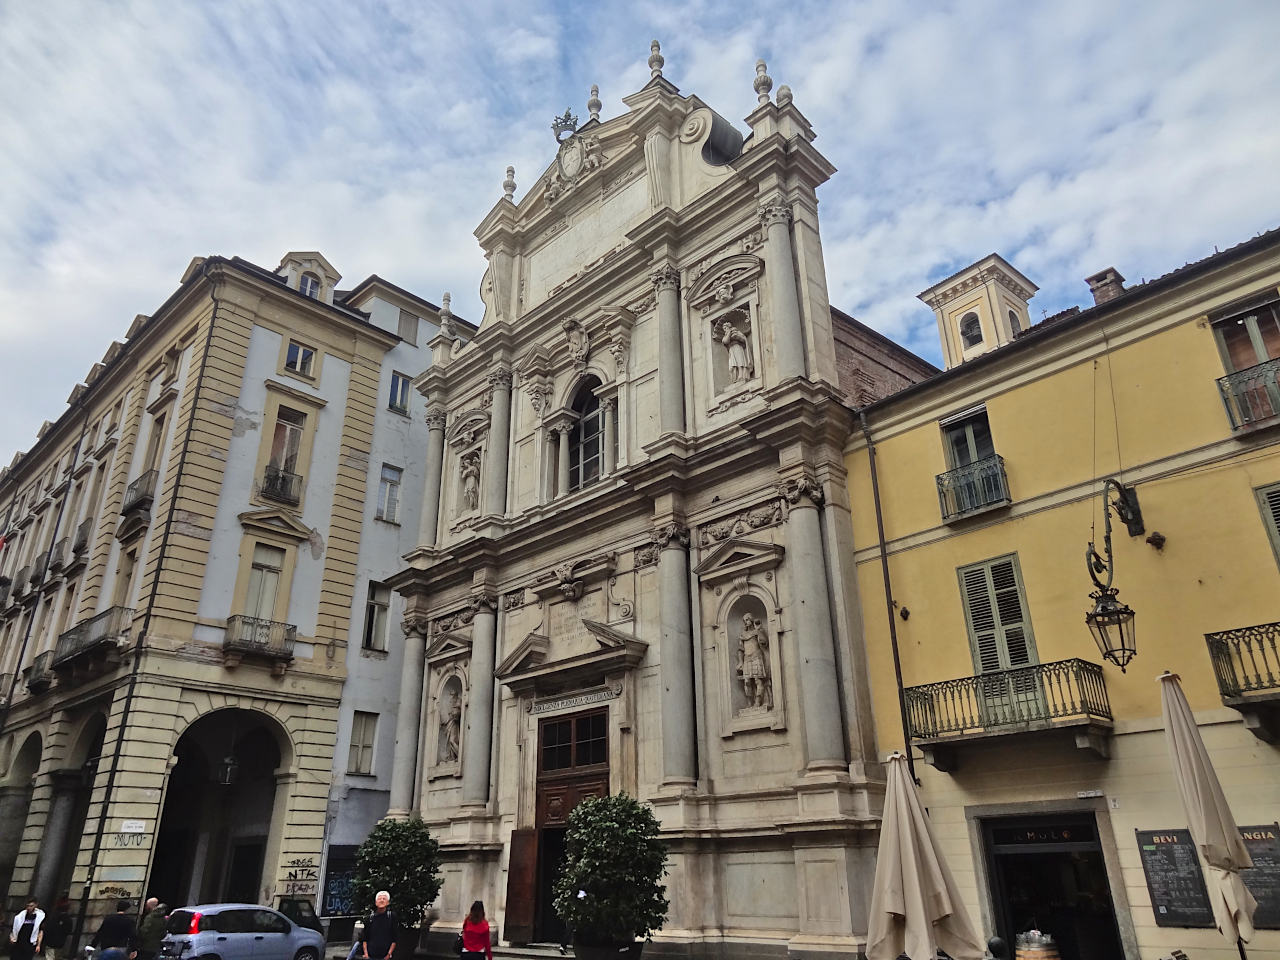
[(995, 613), (1269, 501)]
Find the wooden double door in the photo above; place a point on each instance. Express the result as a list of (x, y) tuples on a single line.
[(573, 765)]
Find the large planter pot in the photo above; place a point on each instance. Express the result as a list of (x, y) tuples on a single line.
[(592, 951)]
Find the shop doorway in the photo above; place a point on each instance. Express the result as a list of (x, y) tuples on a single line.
[(1048, 873)]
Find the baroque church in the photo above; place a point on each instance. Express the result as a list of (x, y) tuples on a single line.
[(634, 569)]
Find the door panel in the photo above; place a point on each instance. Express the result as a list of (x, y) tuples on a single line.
[(521, 877)]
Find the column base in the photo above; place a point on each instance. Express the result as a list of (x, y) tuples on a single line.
[(397, 813)]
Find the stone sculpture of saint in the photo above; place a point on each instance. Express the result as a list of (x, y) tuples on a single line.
[(735, 341), (471, 482), (753, 662), (449, 726)]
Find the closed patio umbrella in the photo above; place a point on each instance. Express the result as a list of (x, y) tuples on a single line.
[(915, 907), (1209, 819)]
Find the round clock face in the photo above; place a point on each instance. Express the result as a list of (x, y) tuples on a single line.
[(571, 158)]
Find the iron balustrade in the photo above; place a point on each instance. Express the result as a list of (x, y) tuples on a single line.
[(110, 625), (40, 674), (141, 492), (281, 486), (975, 486), (1247, 660), (81, 542), (1014, 698), (263, 637), (1252, 395)]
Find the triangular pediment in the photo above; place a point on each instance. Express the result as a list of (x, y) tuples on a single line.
[(608, 637), (275, 522), (737, 557), (113, 351), (448, 646), (140, 320), (531, 652)]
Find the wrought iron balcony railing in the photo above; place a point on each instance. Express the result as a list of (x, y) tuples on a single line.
[(972, 488), (265, 638), (281, 486), (1246, 661), (1252, 395), (1007, 700), (40, 674), (59, 555), (81, 542), (141, 492), (110, 626)]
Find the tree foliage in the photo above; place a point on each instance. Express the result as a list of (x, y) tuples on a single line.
[(401, 857), (610, 887)]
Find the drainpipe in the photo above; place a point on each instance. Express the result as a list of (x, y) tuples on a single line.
[(888, 597), (140, 646)]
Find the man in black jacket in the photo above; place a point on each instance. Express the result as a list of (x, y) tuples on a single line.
[(117, 938), (381, 930)]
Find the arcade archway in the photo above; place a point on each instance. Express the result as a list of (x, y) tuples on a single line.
[(15, 803)]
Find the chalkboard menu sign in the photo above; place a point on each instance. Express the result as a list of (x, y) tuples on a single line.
[(1178, 894), (1263, 880)]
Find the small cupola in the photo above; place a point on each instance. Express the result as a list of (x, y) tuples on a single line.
[(980, 308), (310, 274)]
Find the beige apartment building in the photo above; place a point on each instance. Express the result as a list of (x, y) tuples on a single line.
[(183, 581)]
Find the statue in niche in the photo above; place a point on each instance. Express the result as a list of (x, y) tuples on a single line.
[(735, 342), (753, 663), (450, 725), (471, 481)]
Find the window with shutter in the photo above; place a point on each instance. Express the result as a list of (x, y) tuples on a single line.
[(1269, 501), (995, 610)]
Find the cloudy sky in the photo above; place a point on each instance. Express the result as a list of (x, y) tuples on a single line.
[(1069, 136)]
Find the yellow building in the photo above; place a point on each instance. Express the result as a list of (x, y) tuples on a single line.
[(1043, 766)]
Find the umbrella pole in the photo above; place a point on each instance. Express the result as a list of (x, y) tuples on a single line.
[(1240, 947)]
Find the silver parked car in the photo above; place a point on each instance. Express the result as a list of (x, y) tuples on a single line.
[(237, 931)]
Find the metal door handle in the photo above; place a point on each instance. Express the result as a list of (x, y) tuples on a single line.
[(259, 937), (222, 938)]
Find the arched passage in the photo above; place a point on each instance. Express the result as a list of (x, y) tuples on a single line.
[(217, 822), (15, 803), (68, 810)]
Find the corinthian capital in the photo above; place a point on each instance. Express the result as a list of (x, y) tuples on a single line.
[(666, 277), (415, 626), (481, 602), (797, 489), (773, 210), (664, 534), (436, 418), (500, 376)]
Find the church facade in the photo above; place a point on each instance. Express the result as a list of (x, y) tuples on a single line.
[(634, 569)]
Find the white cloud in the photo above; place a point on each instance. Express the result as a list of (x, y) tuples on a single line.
[(1068, 137)]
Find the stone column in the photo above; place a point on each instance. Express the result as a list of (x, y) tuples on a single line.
[(15, 802), (607, 408), (499, 453), (811, 624), (666, 284), (679, 738), (562, 474), (408, 717), (479, 719), (67, 784), (435, 466), (784, 305), (549, 466)]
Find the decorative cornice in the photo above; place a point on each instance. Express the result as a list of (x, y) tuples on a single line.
[(665, 533), (666, 277)]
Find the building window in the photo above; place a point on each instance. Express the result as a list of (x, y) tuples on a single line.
[(264, 582), (1250, 339), (309, 285), (155, 443), (364, 727), (376, 611), (995, 611), (970, 330), (287, 440), (300, 359), (408, 328), (586, 439), (1015, 325), (389, 494), (399, 401), (1269, 501), (125, 574), (968, 440)]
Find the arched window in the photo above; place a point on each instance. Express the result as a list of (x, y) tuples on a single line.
[(586, 439), (1014, 324), (309, 285), (970, 330)]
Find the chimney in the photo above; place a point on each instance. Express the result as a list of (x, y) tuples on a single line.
[(1105, 285)]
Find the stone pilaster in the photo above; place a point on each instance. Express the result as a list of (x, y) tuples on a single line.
[(784, 303), (408, 717), (562, 460), (477, 744), (679, 767), (435, 466), (499, 453), (666, 285), (608, 408)]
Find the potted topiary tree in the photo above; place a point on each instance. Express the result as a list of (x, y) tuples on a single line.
[(610, 889)]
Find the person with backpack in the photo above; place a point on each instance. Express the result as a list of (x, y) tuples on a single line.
[(381, 930)]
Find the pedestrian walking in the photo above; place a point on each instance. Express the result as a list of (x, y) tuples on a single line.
[(57, 928), (381, 930), (26, 933), (117, 938), (151, 930), (476, 941)]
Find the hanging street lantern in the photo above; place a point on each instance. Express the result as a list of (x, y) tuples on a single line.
[(1110, 621), (227, 770)]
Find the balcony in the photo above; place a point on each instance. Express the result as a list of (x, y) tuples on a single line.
[(94, 645), (1246, 662), (141, 493), (1252, 396), (39, 675), (263, 639), (20, 581), (39, 569), (1065, 695), (281, 486), (60, 554), (80, 545), (6, 587), (973, 488), (6, 684)]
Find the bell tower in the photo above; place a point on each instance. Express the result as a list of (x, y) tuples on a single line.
[(982, 307)]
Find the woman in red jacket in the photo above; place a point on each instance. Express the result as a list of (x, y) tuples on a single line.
[(475, 933)]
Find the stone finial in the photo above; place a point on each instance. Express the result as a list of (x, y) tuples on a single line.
[(763, 82), (655, 59), (509, 184), (446, 317), (594, 104), (784, 95)]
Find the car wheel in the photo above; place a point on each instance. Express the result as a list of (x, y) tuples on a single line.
[(306, 953)]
